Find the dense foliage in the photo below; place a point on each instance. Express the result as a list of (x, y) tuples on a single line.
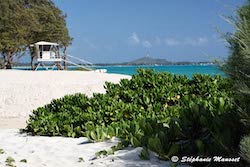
[(238, 64), (166, 113), (23, 22), (239, 42), (245, 148), (238, 69)]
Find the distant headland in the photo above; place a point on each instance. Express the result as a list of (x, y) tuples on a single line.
[(147, 60)]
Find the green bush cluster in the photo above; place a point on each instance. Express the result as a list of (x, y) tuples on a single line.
[(245, 148), (168, 114), (238, 69)]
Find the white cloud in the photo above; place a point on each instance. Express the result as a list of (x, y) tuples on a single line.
[(134, 39), (195, 41), (90, 44), (202, 40), (146, 44), (172, 42), (157, 41), (188, 41)]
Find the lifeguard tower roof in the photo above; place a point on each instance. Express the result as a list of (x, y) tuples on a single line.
[(45, 43)]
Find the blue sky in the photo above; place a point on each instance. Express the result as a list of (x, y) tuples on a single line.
[(109, 31)]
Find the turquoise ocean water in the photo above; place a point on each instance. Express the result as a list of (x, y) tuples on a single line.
[(188, 70)]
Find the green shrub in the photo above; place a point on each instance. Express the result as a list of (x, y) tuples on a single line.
[(10, 162), (168, 114), (237, 66), (245, 148)]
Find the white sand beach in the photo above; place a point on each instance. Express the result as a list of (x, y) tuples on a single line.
[(65, 152), (23, 91)]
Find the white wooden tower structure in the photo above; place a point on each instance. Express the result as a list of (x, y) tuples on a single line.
[(47, 53)]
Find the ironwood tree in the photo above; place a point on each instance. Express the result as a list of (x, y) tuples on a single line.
[(238, 69), (52, 24), (238, 64), (23, 22), (239, 45)]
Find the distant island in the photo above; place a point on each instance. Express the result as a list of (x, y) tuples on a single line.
[(146, 60)]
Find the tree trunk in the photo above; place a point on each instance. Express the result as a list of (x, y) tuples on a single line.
[(32, 58), (64, 58), (32, 62), (8, 60)]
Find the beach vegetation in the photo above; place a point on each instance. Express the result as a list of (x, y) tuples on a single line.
[(144, 154), (238, 64), (110, 151), (80, 159), (10, 162), (1, 151), (165, 113), (25, 22), (245, 148), (237, 68), (23, 160)]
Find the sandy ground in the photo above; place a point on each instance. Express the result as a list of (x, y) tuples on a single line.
[(23, 91), (65, 152)]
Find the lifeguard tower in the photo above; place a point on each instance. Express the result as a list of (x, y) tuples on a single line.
[(47, 54)]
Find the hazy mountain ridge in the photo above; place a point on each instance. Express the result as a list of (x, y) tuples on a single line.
[(146, 60)]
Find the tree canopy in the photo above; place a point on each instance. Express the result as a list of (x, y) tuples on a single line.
[(23, 22), (239, 43), (238, 69), (238, 63)]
